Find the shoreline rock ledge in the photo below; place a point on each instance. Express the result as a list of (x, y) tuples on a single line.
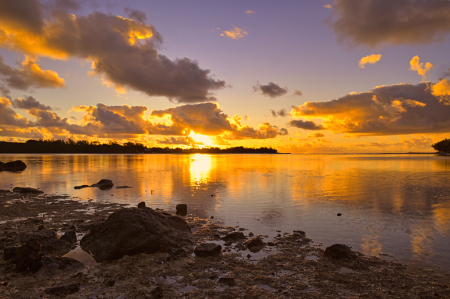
[(136, 230)]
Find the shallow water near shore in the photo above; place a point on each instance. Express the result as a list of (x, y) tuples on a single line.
[(394, 205)]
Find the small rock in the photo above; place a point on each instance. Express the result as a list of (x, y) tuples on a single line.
[(51, 263), (27, 255), (229, 281), (211, 217), (255, 244), (50, 243), (70, 237), (181, 209), (14, 166), (27, 190), (339, 214), (104, 184), (81, 187), (110, 283), (123, 187), (249, 255), (176, 254), (63, 290), (234, 237), (207, 249), (339, 252), (141, 204), (10, 252)]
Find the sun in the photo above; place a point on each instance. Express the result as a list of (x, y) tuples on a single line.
[(206, 140)]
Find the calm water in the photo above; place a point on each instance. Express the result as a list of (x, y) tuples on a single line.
[(393, 204)]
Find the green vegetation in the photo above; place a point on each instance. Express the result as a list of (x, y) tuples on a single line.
[(442, 146), (95, 147)]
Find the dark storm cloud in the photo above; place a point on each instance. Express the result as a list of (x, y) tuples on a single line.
[(271, 89), (305, 124), (26, 14), (375, 22), (29, 103), (122, 51)]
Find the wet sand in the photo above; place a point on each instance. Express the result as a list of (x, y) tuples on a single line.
[(289, 266)]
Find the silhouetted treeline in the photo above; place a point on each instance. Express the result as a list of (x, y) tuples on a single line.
[(95, 147), (442, 146)]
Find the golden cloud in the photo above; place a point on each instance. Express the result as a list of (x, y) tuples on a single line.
[(235, 33), (386, 110), (419, 67), (113, 44), (371, 59)]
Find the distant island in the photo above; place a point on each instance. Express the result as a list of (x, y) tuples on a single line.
[(443, 147), (94, 147)]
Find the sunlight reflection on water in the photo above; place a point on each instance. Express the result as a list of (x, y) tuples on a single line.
[(392, 204)]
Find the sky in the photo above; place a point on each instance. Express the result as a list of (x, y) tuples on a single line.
[(300, 76)]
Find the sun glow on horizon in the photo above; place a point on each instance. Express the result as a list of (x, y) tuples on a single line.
[(206, 140)]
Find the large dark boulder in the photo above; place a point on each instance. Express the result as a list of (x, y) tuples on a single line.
[(13, 166), (136, 230)]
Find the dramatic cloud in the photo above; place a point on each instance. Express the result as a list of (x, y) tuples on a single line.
[(282, 112), (235, 33), (375, 22), (29, 75), (9, 116), (29, 103), (385, 110), (298, 93), (208, 119), (305, 124), (442, 90), (372, 59), (271, 89), (250, 12), (121, 50), (419, 67)]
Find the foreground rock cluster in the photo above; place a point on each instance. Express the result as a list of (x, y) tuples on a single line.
[(39, 233)]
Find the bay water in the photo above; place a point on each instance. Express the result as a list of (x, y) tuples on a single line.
[(391, 205)]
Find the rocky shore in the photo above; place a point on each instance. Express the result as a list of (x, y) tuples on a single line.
[(41, 257)]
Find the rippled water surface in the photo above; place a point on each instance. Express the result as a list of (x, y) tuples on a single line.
[(392, 204)]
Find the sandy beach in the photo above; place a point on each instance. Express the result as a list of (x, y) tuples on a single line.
[(289, 266)]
